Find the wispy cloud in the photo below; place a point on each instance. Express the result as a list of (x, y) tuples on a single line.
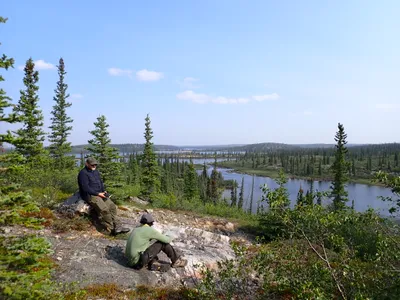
[(146, 75), (189, 83), (142, 75), (41, 65), (76, 96), (260, 98), (120, 72), (204, 98)]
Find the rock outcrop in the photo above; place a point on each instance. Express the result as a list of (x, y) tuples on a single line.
[(89, 257)]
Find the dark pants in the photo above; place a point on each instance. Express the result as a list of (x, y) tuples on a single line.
[(150, 253), (107, 211)]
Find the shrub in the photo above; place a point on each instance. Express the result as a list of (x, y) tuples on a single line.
[(26, 269)]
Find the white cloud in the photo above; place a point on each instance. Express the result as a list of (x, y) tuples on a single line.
[(260, 98), (41, 65), (204, 98), (76, 96), (189, 83), (146, 75), (119, 72)]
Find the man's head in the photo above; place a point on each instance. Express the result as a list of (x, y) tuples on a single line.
[(147, 219), (91, 163)]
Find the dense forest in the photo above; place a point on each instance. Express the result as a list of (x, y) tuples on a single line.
[(309, 251)]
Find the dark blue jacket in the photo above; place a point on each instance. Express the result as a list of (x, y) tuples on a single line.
[(89, 183)]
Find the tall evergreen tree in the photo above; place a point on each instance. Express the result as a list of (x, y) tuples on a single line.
[(31, 135), (60, 130), (340, 169), (5, 101), (310, 195), (251, 195), (107, 156), (10, 163), (300, 197), (234, 193), (203, 184), (150, 171), (214, 183), (191, 189), (241, 195)]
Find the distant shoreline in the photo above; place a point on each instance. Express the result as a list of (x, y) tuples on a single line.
[(275, 174)]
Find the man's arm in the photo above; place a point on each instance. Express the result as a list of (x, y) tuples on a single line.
[(155, 234), (102, 183), (84, 183)]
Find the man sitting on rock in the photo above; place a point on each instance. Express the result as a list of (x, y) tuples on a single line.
[(92, 191), (139, 250)]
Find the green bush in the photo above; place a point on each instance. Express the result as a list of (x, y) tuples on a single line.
[(168, 201), (123, 192), (26, 269)]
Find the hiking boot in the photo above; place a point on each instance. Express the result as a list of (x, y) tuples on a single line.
[(179, 263), (152, 261), (120, 231)]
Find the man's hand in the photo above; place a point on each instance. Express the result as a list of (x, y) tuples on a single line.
[(101, 195)]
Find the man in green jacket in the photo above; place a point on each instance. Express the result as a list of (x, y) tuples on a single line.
[(139, 250)]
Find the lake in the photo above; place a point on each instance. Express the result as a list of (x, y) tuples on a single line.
[(364, 196)]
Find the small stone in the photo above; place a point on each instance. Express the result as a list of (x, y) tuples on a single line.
[(6, 230), (59, 258)]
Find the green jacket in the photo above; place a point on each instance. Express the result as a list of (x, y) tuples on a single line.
[(139, 241)]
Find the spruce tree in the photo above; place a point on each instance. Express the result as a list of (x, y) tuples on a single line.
[(251, 195), (31, 135), (5, 101), (107, 156), (235, 195), (203, 184), (241, 195), (300, 197), (310, 195), (10, 163), (214, 183), (150, 172), (340, 170), (60, 130), (191, 189)]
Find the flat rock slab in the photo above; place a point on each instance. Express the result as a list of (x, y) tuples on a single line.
[(96, 259)]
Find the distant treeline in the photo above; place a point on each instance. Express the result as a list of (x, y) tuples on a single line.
[(312, 149), (127, 148)]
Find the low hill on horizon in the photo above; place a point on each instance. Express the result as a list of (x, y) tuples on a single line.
[(257, 147)]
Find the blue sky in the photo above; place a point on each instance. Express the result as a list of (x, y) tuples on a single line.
[(215, 72)]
